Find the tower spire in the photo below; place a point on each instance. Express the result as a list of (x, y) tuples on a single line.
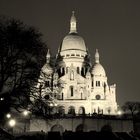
[(97, 56), (73, 28), (48, 57)]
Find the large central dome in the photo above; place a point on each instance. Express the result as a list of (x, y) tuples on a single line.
[(73, 42)]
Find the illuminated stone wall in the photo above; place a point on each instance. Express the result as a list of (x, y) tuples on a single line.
[(87, 124)]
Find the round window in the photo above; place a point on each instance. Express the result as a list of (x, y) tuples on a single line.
[(98, 97)]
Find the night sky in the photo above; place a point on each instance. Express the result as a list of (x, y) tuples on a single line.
[(112, 26)]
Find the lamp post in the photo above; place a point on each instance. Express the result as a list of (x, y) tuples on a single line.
[(25, 114), (56, 110), (55, 104), (120, 113), (12, 123), (51, 106)]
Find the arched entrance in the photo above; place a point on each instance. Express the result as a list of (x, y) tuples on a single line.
[(61, 110), (71, 110), (106, 128), (57, 128), (81, 111), (81, 128)]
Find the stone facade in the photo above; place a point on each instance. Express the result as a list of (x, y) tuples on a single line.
[(75, 85)]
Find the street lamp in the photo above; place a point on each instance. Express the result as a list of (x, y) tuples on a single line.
[(119, 112), (1, 99), (55, 104), (50, 107), (8, 116), (25, 113), (56, 110), (12, 123), (51, 104)]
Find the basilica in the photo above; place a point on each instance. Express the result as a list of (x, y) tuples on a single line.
[(73, 83)]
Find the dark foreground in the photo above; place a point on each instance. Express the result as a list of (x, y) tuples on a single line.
[(68, 135)]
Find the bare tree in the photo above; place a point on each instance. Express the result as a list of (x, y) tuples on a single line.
[(21, 57), (43, 98), (131, 107)]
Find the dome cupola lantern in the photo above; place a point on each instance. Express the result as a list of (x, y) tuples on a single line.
[(73, 41), (48, 57), (97, 57), (73, 28)]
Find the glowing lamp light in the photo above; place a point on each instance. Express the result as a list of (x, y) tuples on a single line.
[(51, 104), (1, 99), (12, 123), (8, 116), (55, 104), (119, 112), (25, 113)]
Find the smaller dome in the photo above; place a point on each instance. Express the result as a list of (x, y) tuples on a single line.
[(47, 69), (98, 70)]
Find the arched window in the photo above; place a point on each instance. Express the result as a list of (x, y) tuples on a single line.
[(71, 91), (97, 83), (47, 83), (104, 87), (63, 71), (83, 71), (62, 95), (78, 70)]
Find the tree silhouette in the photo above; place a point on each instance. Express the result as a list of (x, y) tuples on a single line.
[(131, 107), (43, 97), (22, 54)]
